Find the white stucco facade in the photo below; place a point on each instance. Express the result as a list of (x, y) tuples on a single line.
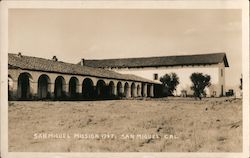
[(216, 72)]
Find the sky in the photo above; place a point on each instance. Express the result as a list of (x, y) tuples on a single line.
[(72, 34)]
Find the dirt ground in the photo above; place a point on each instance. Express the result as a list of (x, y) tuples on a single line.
[(151, 125)]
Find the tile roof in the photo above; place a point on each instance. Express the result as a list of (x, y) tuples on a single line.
[(199, 59), (41, 64)]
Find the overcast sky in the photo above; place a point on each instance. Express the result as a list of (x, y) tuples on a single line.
[(97, 34)]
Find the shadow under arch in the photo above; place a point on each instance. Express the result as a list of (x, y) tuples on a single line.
[(60, 88), (88, 89), (119, 89), (101, 90), (43, 90), (24, 88), (73, 88)]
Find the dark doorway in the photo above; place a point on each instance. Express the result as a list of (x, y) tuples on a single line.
[(73, 85), (88, 89), (24, 86), (148, 89), (222, 91), (101, 89), (119, 89), (111, 89), (60, 88), (43, 89), (143, 90)]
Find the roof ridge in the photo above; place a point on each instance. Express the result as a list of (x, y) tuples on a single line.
[(173, 60), (157, 56)]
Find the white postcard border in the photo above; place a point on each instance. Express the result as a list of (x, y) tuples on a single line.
[(223, 4)]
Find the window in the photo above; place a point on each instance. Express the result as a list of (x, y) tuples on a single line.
[(155, 76)]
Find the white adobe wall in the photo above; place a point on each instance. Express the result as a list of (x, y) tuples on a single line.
[(221, 76), (184, 74)]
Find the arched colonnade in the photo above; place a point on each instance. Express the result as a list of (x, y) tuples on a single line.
[(28, 85)]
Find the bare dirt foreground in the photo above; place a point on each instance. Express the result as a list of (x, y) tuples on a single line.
[(153, 125)]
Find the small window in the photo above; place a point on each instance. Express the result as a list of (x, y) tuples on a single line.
[(221, 72), (155, 76)]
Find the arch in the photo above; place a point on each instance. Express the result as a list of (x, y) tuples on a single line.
[(73, 87), (126, 90), (133, 90), (43, 90), (119, 89), (10, 87), (60, 87), (111, 89), (24, 88), (138, 90), (101, 89), (87, 88)]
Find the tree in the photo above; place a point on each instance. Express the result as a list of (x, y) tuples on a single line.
[(200, 82), (169, 83)]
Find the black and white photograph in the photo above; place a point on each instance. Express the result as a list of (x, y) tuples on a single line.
[(113, 80)]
